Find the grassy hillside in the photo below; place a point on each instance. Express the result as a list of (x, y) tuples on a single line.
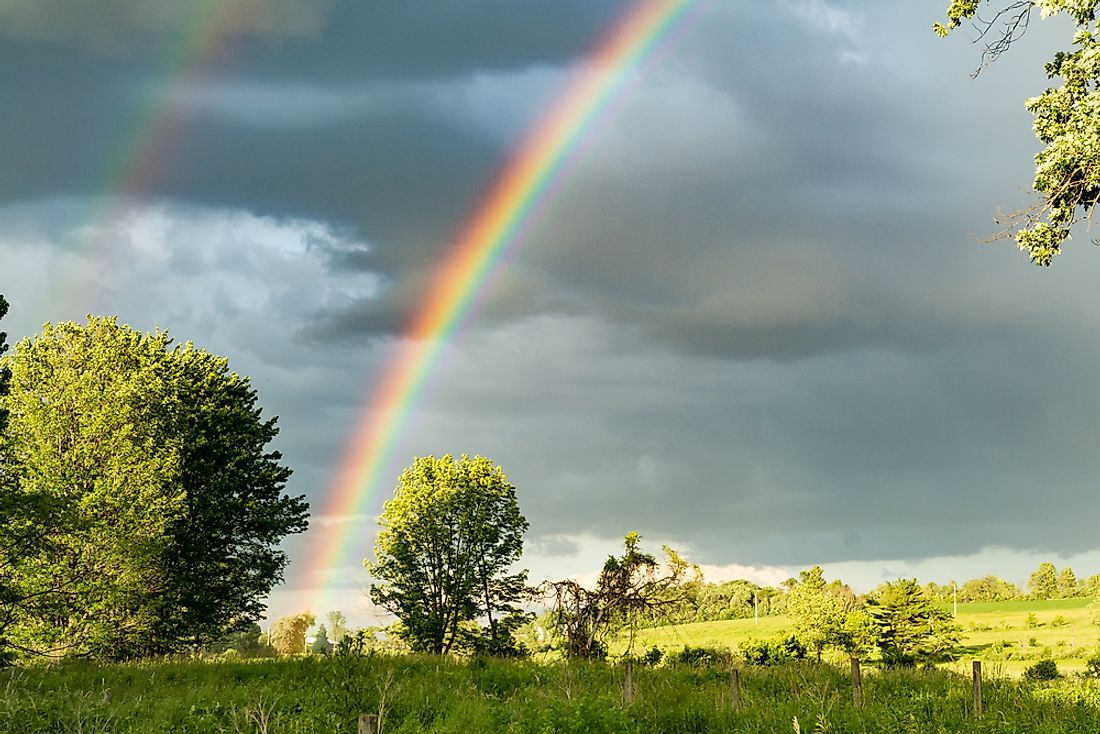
[(998, 632)]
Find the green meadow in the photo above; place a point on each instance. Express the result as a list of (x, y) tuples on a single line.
[(1009, 634), (412, 694)]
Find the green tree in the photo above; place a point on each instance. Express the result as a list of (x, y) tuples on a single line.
[(988, 588), (337, 625), (1091, 585), (288, 634), (158, 508), (321, 644), (909, 627), (14, 540), (1067, 583), (1043, 582), (448, 539), (1067, 118), (818, 610)]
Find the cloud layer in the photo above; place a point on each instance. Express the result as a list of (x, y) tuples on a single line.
[(118, 26), (750, 321)]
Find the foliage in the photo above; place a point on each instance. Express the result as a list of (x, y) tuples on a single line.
[(1043, 582), (321, 643), (910, 628), (628, 589), (776, 651), (700, 657), (337, 625), (245, 642), (1067, 119), (1094, 611), (1092, 665), (819, 610), (155, 511), (448, 538), (288, 634), (1067, 583), (1042, 670), (652, 656), (987, 588), (13, 542), (859, 635)]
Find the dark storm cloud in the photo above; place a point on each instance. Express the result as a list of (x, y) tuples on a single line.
[(442, 38), (119, 26), (865, 454), (752, 319)]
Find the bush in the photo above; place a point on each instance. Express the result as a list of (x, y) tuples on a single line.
[(773, 652), (700, 657), (1092, 666), (1042, 670), (652, 656)]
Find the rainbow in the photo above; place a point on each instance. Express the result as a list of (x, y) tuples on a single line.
[(155, 127), (495, 226)]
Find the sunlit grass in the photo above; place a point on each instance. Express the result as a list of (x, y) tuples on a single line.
[(425, 694), (993, 631)]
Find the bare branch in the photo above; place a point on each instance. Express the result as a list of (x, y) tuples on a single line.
[(1010, 22)]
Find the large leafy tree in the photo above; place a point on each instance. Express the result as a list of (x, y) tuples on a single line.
[(987, 588), (157, 506), (449, 538), (1043, 582), (819, 610), (11, 543), (1067, 117), (908, 626)]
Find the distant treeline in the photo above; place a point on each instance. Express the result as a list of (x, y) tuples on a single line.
[(702, 601)]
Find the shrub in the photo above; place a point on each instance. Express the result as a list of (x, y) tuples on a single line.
[(700, 657), (652, 656), (1042, 670), (1032, 621), (1092, 666), (772, 652)]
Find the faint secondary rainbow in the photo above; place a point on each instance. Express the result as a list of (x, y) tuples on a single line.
[(153, 127), (494, 226)]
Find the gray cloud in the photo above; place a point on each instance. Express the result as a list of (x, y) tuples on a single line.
[(750, 321), (116, 26)]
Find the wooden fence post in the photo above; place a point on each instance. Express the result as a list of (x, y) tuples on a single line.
[(735, 689), (628, 683), (368, 724), (857, 684), (977, 688)]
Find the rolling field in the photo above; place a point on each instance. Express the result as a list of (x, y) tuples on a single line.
[(996, 632)]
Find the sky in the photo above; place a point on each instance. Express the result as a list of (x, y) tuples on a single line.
[(753, 319)]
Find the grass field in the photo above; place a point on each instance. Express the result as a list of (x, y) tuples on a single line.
[(414, 694), (996, 632), (313, 695)]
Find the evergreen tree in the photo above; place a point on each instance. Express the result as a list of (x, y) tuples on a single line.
[(908, 627)]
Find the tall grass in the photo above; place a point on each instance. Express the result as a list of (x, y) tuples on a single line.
[(426, 694)]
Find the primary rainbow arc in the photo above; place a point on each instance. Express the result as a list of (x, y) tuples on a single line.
[(488, 234)]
